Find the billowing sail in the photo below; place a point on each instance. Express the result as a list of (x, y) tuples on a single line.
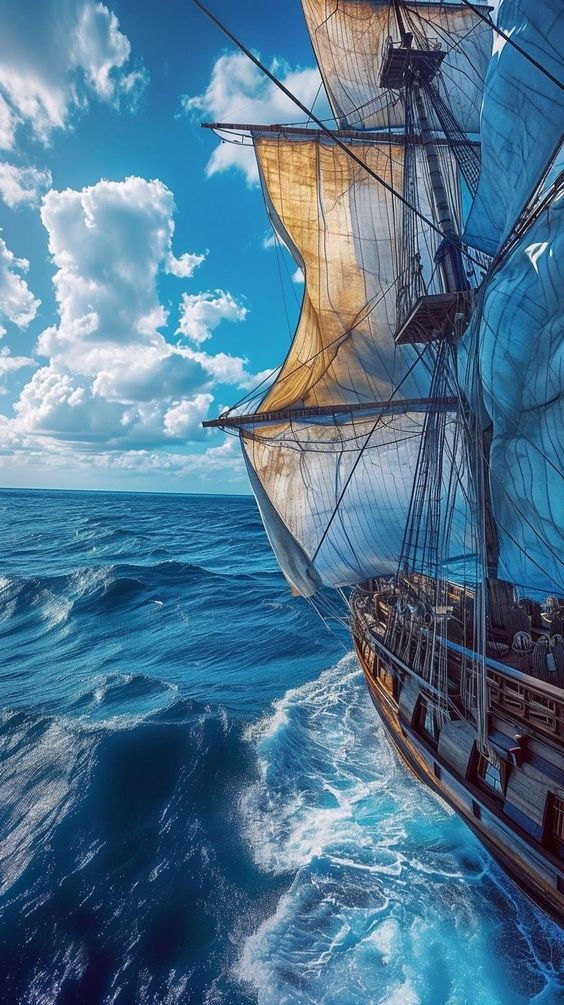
[(303, 469), (350, 37), (520, 334), (522, 118), (345, 230)]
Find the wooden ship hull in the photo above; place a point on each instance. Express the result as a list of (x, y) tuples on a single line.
[(520, 818)]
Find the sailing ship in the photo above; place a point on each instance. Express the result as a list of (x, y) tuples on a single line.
[(409, 449)]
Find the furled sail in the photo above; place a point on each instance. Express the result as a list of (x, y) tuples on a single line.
[(518, 336), (350, 37), (334, 490)]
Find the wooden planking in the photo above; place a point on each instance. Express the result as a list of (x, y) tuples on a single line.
[(526, 862), (547, 752), (456, 742), (527, 794), (408, 699)]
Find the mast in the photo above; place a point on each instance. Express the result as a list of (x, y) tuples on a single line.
[(450, 256), (332, 448), (451, 260)]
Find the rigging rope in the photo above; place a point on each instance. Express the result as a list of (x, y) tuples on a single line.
[(515, 45), (328, 132)]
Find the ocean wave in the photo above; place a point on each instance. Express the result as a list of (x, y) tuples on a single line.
[(391, 898), (108, 588), (109, 840)]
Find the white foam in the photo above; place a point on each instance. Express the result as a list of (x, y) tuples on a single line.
[(389, 895)]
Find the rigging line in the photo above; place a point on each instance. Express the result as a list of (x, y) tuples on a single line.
[(316, 97), (327, 626), (283, 292), (336, 139), (516, 46), (361, 452), (533, 208)]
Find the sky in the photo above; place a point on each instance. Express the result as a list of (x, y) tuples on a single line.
[(141, 289)]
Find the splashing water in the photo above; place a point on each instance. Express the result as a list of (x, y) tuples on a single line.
[(392, 900)]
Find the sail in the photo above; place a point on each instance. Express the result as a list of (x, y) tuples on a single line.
[(518, 335), (350, 39), (522, 118), (299, 474), (345, 230)]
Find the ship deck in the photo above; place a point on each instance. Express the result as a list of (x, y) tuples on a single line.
[(517, 810)]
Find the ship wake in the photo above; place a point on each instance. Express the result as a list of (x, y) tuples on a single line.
[(385, 884)]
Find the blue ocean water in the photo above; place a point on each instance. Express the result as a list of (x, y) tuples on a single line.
[(198, 804)]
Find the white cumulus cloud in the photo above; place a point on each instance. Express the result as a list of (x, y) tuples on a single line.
[(20, 185), (17, 303), (201, 313), (55, 57), (184, 419), (109, 377), (239, 92), (185, 265)]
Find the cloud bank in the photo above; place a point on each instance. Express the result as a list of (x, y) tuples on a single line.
[(108, 382)]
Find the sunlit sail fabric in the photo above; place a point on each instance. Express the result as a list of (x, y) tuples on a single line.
[(304, 471), (520, 333), (349, 38), (298, 475), (522, 118), (345, 230)]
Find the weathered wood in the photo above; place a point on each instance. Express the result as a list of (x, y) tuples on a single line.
[(390, 407), (408, 698), (456, 743)]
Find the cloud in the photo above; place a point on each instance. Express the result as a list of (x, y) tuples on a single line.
[(184, 419), (109, 242), (185, 266), (8, 123), (9, 364), (270, 240), (20, 185), (201, 313), (239, 92), (55, 58), (298, 276), (109, 378), (17, 303), (227, 369)]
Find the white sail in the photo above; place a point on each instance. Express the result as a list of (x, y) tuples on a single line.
[(345, 230), (320, 535), (350, 38), (520, 336), (522, 119)]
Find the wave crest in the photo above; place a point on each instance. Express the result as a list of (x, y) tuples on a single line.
[(392, 899)]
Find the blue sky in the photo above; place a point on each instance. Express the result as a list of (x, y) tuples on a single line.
[(137, 296)]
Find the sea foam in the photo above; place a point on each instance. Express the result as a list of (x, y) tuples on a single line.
[(390, 899)]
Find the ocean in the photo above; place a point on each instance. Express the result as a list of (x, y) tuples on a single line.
[(198, 804)]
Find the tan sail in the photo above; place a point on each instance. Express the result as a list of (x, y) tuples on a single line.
[(346, 231), (350, 38)]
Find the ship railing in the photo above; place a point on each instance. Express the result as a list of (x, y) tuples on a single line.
[(528, 700), (534, 701)]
